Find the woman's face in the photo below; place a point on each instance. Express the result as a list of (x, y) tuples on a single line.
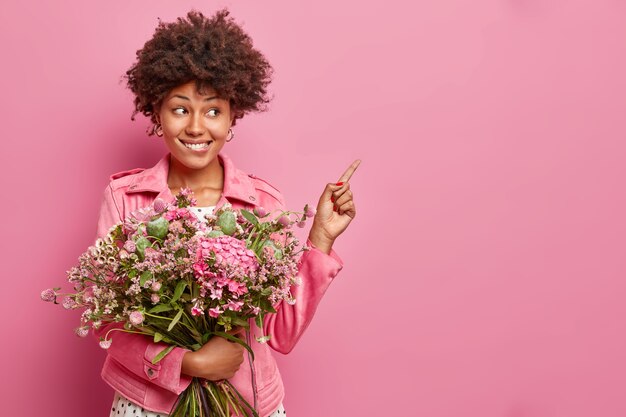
[(195, 126)]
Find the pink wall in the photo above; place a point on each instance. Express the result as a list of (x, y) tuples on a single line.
[(485, 271)]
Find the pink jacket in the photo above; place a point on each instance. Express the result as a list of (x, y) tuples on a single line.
[(128, 368)]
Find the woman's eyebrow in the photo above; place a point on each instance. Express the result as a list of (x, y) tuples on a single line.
[(187, 98)]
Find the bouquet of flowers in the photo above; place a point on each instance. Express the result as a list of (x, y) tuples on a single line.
[(168, 275)]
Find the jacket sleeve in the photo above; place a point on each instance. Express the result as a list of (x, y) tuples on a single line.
[(135, 351), (316, 270)]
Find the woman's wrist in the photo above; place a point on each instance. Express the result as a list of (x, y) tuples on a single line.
[(321, 242), (190, 364)]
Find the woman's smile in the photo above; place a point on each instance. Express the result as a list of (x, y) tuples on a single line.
[(196, 146)]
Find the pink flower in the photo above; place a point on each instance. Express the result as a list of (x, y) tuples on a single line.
[(215, 312), (195, 311), (159, 205), (178, 213), (301, 224), (105, 344), (234, 305), (216, 293), (82, 331), (155, 298), (260, 211), (69, 303), (237, 287), (136, 318), (48, 295), (284, 220), (130, 246), (309, 211), (225, 250), (152, 254), (156, 286)]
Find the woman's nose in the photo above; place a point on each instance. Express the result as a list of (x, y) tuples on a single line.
[(195, 126)]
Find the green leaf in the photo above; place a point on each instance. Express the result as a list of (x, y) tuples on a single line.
[(175, 320), (160, 308), (145, 275), (132, 273), (196, 346), (162, 354), (267, 306), (259, 320), (158, 337), (239, 322), (180, 287), (250, 217)]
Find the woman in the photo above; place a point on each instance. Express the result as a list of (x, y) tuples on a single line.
[(194, 79)]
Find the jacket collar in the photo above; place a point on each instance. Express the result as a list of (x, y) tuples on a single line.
[(237, 185)]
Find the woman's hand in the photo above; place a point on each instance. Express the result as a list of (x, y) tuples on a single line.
[(335, 211), (218, 359)]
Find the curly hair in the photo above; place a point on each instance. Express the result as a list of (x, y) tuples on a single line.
[(215, 52)]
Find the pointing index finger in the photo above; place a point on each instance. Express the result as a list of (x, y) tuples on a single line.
[(348, 174)]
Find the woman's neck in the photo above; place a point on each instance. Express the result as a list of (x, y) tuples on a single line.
[(207, 184)]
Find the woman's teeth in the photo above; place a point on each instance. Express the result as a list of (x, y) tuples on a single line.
[(197, 146)]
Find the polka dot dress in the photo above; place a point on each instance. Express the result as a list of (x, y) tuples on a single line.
[(201, 211), (122, 407)]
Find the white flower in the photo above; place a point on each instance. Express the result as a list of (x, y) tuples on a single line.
[(105, 344)]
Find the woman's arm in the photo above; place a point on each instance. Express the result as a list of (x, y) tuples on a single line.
[(317, 267), (316, 271)]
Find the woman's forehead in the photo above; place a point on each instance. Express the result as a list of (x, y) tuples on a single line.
[(190, 90)]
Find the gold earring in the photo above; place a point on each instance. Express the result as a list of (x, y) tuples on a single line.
[(158, 130)]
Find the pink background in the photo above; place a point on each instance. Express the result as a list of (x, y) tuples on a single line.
[(484, 273)]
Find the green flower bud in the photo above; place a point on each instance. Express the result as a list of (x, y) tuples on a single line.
[(141, 244), (227, 223), (157, 228)]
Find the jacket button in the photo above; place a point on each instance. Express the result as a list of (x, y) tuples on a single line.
[(150, 372), (252, 198)]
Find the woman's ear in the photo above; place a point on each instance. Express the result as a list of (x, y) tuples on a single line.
[(234, 115)]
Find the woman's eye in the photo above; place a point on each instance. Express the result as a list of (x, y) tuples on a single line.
[(179, 110), (213, 112)]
